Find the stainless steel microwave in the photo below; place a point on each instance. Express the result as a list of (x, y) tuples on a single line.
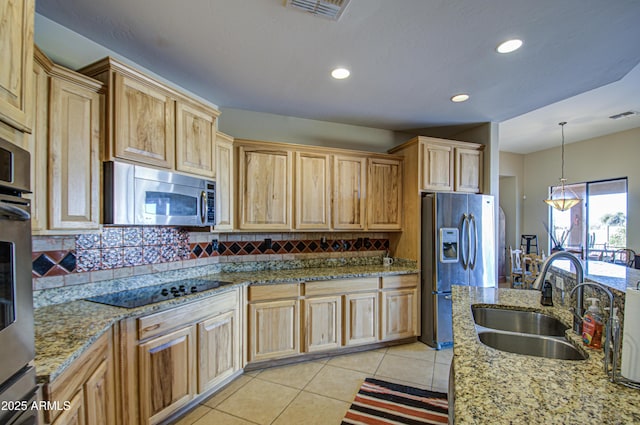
[(138, 195)]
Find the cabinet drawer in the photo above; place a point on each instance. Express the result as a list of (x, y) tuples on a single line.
[(340, 285), (159, 323), (401, 281), (272, 292)]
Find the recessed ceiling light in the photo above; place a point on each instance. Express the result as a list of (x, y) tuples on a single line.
[(460, 97), (509, 46), (340, 73)]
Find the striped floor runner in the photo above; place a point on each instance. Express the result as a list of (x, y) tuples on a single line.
[(383, 403)]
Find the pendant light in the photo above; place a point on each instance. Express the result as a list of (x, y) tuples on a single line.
[(562, 198)]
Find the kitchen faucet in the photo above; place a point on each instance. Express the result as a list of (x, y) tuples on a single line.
[(578, 312)]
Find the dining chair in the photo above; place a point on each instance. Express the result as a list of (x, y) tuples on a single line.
[(624, 257), (517, 271)]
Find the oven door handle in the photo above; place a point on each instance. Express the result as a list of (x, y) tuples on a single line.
[(11, 212)]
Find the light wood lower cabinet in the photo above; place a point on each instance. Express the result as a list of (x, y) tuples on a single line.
[(274, 329), (323, 323), (171, 357), (219, 349), (75, 414), (361, 318), (400, 312), (88, 384), (167, 373)]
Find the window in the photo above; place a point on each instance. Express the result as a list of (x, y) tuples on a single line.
[(594, 228)]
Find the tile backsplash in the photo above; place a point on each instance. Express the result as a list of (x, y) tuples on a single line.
[(127, 251)]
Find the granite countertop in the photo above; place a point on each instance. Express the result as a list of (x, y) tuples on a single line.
[(64, 331), (497, 387), (614, 276)]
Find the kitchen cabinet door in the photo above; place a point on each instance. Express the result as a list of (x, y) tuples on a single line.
[(384, 192), (195, 140), (99, 396), (436, 165), (74, 149), (323, 323), (37, 145), (166, 374), (274, 329), (265, 188), (16, 39), (224, 182), (349, 178), (144, 123), (75, 414), (399, 313), (361, 318), (218, 349), (312, 189), (468, 170)]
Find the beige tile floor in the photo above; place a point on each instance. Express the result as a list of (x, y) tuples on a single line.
[(320, 391)]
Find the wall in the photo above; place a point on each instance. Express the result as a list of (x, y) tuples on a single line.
[(511, 192), (252, 125), (607, 157)]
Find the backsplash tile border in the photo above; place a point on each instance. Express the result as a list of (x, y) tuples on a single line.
[(118, 252)]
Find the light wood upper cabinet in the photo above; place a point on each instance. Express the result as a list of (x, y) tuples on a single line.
[(312, 193), (16, 51), (144, 123), (468, 170), (195, 139), (437, 166), (37, 145), (443, 165), (74, 155), (65, 149), (224, 182), (349, 177), (265, 188), (167, 374), (151, 123), (384, 194)]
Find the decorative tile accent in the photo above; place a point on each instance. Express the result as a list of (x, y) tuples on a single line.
[(132, 236), (112, 237), (117, 247), (133, 255)]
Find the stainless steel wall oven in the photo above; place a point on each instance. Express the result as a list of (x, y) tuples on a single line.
[(17, 351)]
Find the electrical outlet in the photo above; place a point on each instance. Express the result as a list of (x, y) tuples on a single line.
[(560, 283)]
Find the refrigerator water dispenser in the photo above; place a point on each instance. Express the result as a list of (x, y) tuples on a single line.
[(449, 245)]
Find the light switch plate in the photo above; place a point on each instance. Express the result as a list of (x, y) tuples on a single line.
[(560, 283)]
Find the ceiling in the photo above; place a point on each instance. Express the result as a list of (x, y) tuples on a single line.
[(407, 58)]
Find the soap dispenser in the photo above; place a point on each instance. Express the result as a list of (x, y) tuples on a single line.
[(592, 325)]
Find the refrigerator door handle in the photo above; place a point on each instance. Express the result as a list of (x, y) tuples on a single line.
[(472, 260), (464, 241)]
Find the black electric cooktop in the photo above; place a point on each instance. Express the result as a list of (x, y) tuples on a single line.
[(154, 294)]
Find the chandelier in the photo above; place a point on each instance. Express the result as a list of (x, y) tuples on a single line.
[(562, 198)]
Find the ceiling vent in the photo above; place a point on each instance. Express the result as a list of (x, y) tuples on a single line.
[(624, 115), (330, 9)]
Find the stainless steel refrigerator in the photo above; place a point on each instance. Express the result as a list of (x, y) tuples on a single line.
[(458, 248)]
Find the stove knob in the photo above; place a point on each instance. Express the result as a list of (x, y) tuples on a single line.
[(164, 292), (182, 288), (194, 289)]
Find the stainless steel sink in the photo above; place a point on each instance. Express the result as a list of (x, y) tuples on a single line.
[(539, 346), (528, 322)]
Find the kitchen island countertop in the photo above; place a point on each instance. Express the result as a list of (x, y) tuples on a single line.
[(496, 387), (64, 331)]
